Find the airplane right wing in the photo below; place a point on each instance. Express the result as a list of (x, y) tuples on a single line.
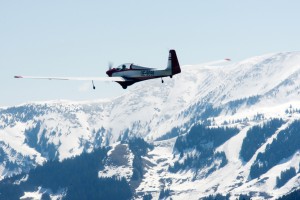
[(213, 63)]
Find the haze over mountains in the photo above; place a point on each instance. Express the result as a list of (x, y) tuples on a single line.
[(229, 130)]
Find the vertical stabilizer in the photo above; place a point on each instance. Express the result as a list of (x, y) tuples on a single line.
[(173, 63)]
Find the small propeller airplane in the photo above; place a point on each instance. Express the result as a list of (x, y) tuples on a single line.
[(127, 73)]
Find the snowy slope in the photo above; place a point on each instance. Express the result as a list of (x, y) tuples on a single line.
[(240, 95), (231, 179)]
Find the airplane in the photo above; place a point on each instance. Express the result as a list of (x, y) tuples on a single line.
[(128, 73)]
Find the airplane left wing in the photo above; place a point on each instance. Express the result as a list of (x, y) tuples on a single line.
[(115, 79)]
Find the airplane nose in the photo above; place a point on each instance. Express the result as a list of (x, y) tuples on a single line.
[(108, 72)]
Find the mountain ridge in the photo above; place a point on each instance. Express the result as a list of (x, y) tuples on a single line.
[(244, 95)]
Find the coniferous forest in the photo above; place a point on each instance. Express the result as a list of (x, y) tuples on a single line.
[(77, 176)]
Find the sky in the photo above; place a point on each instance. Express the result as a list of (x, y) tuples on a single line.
[(79, 38)]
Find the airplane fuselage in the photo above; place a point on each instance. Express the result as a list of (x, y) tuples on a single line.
[(134, 73)]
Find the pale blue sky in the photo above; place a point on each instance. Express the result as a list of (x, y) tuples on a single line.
[(79, 38)]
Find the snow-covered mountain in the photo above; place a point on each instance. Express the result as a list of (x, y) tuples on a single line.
[(253, 104)]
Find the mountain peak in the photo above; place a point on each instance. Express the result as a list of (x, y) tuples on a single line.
[(245, 95)]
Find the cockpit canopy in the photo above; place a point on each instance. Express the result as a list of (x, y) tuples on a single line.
[(127, 66), (124, 66)]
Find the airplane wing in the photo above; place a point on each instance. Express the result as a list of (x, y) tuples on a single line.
[(116, 79), (213, 63)]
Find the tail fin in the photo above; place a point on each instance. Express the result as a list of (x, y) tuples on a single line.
[(173, 63)]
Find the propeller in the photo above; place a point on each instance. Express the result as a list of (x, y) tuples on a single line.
[(110, 65)]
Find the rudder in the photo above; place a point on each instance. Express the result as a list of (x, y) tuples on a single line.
[(173, 63)]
